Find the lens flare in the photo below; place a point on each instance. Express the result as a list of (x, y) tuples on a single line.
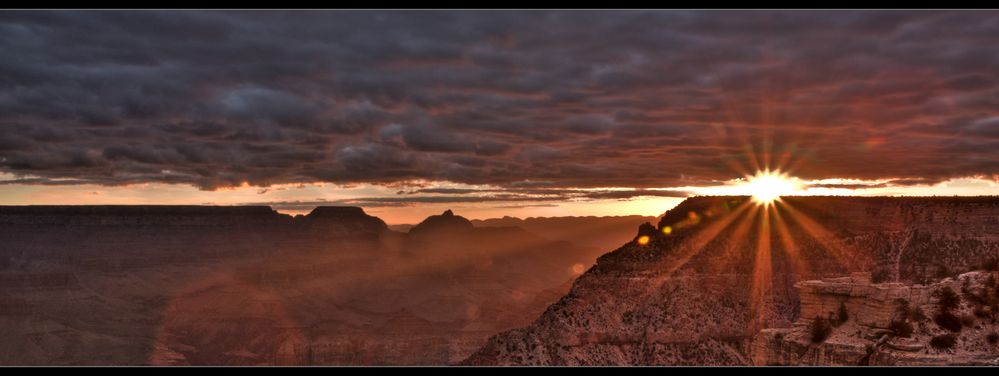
[(767, 186)]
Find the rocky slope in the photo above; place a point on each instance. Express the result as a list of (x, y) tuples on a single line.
[(697, 288)]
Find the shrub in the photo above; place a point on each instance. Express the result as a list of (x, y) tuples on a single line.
[(902, 305), (819, 329), (901, 328), (916, 314), (947, 299), (842, 315), (907, 312), (981, 312), (992, 338), (943, 341), (948, 321), (968, 320), (992, 264)]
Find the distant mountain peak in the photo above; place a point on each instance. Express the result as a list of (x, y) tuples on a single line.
[(445, 222), (344, 216), (337, 212)]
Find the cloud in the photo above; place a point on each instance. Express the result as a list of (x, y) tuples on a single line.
[(560, 99), (542, 197)]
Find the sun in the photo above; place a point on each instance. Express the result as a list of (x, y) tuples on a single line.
[(767, 186)]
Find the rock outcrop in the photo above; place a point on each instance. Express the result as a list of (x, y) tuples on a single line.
[(873, 305), (868, 335)]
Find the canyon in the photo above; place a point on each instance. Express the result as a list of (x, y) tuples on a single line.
[(196, 285), (717, 281)]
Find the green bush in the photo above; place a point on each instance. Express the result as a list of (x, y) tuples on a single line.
[(948, 321), (819, 329), (943, 341)]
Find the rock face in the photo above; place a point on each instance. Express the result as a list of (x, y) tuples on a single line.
[(874, 305), (717, 270), (865, 338)]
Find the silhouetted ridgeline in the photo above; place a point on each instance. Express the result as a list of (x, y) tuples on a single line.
[(141, 215), (77, 233), (176, 215)]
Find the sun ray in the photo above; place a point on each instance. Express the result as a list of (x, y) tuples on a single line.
[(844, 255), (761, 293), (789, 245), (690, 248), (736, 239)]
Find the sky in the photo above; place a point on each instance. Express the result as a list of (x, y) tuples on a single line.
[(492, 113)]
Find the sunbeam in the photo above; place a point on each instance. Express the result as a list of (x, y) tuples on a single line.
[(790, 247), (761, 293), (844, 255)]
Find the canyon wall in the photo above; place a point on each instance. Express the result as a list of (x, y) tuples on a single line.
[(717, 270)]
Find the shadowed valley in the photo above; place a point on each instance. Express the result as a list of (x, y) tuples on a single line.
[(247, 285)]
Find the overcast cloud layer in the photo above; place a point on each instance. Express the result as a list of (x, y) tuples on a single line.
[(512, 99)]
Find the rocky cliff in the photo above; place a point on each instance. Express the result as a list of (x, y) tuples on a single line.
[(697, 288), (887, 324)]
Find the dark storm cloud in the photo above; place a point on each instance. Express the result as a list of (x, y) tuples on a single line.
[(514, 99)]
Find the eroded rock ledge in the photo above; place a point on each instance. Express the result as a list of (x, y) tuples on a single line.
[(869, 337)]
